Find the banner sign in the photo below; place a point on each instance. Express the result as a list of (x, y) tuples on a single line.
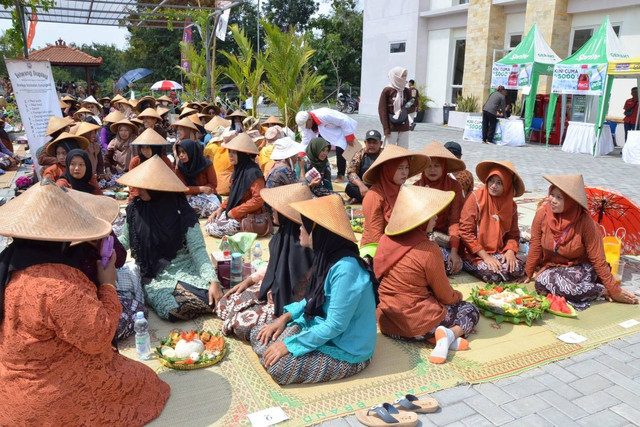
[(35, 93), (223, 20), (624, 68), (187, 37), (578, 79), (514, 76), (473, 130)]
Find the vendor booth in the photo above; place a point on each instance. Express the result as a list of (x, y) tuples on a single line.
[(522, 67), (630, 69), (584, 76)]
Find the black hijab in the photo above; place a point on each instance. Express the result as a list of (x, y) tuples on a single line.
[(23, 253), (155, 150), (244, 173), (328, 248), (81, 184), (157, 229), (197, 161), (288, 265), (68, 145)]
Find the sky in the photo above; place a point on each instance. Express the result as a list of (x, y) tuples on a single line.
[(48, 33)]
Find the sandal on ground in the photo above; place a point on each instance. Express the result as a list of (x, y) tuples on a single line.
[(380, 415), (409, 402)]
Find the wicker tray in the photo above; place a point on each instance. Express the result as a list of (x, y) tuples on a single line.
[(196, 365)]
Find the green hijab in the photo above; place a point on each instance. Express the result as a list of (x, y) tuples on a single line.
[(316, 145)]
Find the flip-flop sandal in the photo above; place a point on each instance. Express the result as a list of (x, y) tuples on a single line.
[(380, 415), (409, 402)]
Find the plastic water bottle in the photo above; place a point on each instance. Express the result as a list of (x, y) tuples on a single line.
[(225, 247), (143, 340), (236, 269)]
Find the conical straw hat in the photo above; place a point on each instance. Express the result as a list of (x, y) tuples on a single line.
[(90, 100), (238, 113), (572, 186), (196, 120), (185, 122), (114, 127), (417, 163), (74, 129), (329, 212), (36, 214), (243, 143), (117, 98), (150, 112), (150, 137), (280, 197), (70, 99), (415, 206), (63, 104), (102, 207), (436, 149), (273, 120), (194, 105), (149, 99), (187, 111), (82, 110), (482, 170), (85, 127), (165, 98), (162, 111), (82, 142), (114, 117), (216, 122), (153, 174), (130, 102), (57, 123), (104, 99), (137, 121)]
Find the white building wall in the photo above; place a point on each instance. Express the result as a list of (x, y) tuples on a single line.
[(438, 72)]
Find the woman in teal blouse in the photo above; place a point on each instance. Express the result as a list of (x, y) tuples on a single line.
[(331, 333)]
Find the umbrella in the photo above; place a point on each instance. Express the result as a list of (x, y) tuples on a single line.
[(131, 76), (166, 85), (613, 210), (228, 88)]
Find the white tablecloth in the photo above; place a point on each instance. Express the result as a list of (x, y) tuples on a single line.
[(581, 136), (512, 132), (631, 149)]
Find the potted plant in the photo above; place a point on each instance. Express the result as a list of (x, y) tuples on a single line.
[(465, 105), (424, 100), (516, 109)]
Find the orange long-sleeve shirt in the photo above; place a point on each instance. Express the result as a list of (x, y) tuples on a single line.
[(206, 178), (414, 293), (54, 172), (374, 222), (61, 182), (449, 219), (251, 200), (585, 247)]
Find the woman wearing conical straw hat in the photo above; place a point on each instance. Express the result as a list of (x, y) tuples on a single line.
[(197, 173), (148, 144), (54, 322), (567, 246), (151, 119), (262, 297), (284, 157), (165, 239), (436, 175), (489, 224), (386, 176), (55, 127), (119, 152), (78, 174), (59, 148), (331, 333), (419, 306), (105, 134)]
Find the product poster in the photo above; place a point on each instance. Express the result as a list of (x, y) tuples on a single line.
[(578, 79), (514, 76)]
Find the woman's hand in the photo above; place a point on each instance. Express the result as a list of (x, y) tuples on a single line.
[(215, 293), (523, 280), (455, 261), (274, 353), (624, 297), (511, 261), (269, 297), (215, 215), (315, 181), (272, 330), (206, 189), (107, 274), (240, 287), (493, 264)]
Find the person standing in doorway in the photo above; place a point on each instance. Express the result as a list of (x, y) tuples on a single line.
[(630, 112), (394, 108), (415, 95), (492, 109)]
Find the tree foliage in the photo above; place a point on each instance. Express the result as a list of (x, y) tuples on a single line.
[(196, 76), (289, 13)]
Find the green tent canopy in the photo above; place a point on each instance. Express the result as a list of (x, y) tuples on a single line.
[(521, 68), (585, 73)]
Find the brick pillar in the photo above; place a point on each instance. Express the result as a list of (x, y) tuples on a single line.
[(485, 32), (554, 24)]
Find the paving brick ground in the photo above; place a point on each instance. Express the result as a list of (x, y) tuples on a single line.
[(596, 388)]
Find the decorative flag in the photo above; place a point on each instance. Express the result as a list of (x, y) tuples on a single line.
[(186, 38), (223, 21), (32, 27)]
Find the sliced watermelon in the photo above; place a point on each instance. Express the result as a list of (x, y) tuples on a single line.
[(559, 307)]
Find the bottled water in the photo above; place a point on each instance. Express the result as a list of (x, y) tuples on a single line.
[(225, 247), (256, 256), (236, 268), (143, 340)]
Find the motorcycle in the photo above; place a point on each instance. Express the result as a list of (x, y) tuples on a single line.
[(347, 104)]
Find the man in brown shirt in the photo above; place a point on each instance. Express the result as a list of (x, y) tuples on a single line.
[(361, 161)]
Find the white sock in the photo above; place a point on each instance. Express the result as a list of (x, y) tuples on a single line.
[(444, 338)]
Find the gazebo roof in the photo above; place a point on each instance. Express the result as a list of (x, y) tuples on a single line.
[(61, 54)]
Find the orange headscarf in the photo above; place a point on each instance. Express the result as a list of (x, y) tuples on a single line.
[(386, 187), (391, 249), (496, 213), (444, 183), (561, 224)]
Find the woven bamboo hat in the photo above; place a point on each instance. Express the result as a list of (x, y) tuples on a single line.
[(104, 99), (117, 98), (114, 117), (206, 118), (70, 100), (216, 122), (237, 113), (137, 121), (150, 99), (162, 111), (417, 163), (187, 111), (415, 206), (80, 111), (572, 186), (85, 127), (436, 149), (243, 143), (273, 120), (102, 207), (165, 98), (216, 134), (329, 212), (46, 203), (57, 123), (280, 197), (482, 170), (82, 142), (153, 174), (196, 121), (195, 105), (187, 123), (150, 137), (130, 102), (150, 112), (255, 135), (63, 104), (114, 127), (91, 100)]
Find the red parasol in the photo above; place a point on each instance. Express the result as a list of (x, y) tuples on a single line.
[(613, 210), (166, 85)]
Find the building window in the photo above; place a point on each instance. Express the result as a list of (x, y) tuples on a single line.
[(463, 1), (397, 47), (514, 40), (458, 69), (580, 37)]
